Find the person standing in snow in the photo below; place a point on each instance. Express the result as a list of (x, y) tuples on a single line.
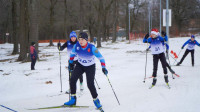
[(190, 49), (157, 50), (166, 46), (86, 54), (33, 55), (69, 45)]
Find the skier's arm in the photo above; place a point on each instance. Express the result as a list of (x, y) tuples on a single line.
[(167, 46), (197, 43), (166, 38), (62, 47), (72, 55), (185, 43), (99, 56)]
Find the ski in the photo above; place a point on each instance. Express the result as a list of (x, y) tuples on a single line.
[(62, 106)]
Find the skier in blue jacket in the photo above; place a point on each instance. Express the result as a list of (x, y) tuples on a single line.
[(190, 49), (157, 49), (69, 45), (86, 54)]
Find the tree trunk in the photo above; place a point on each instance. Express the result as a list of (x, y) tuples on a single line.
[(127, 20), (34, 27), (115, 22), (14, 23), (81, 16), (23, 29)]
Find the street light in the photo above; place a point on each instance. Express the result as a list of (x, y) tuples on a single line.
[(130, 6)]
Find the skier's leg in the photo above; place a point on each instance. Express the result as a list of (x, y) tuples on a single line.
[(163, 62), (155, 67), (192, 56), (77, 72), (185, 54), (74, 77), (90, 74)]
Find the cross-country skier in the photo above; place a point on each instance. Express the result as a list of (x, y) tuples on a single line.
[(69, 45), (86, 54), (157, 49), (190, 49), (166, 46), (33, 55)]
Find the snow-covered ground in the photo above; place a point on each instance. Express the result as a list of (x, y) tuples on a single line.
[(22, 89)]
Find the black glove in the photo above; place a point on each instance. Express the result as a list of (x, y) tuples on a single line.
[(147, 36), (182, 47), (71, 67), (59, 46), (163, 33), (105, 71), (147, 49)]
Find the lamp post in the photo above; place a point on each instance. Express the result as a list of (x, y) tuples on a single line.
[(130, 6)]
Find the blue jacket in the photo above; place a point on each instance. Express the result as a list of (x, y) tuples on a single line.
[(191, 44)]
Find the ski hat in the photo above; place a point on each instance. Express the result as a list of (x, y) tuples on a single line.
[(155, 32), (73, 34), (83, 35), (192, 36), (32, 43)]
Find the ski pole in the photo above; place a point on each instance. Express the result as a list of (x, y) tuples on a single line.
[(178, 55), (97, 83), (60, 70), (173, 58), (8, 108), (113, 89), (70, 73), (145, 67)]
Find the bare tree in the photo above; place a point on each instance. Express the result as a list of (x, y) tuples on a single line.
[(14, 23), (23, 31)]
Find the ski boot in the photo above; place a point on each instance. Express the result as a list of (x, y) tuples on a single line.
[(97, 103), (72, 101), (154, 81), (166, 80), (178, 64)]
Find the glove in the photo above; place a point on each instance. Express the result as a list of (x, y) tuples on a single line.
[(163, 33), (147, 49), (147, 36), (105, 71), (58, 45), (182, 47), (71, 67), (33, 57)]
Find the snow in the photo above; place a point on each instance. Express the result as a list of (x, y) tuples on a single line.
[(24, 89)]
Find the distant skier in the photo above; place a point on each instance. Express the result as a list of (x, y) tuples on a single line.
[(190, 49), (69, 45), (33, 55), (95, 40), (86, 54), (157, 50)]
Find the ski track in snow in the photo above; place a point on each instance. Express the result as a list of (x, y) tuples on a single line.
[(24, 89)]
